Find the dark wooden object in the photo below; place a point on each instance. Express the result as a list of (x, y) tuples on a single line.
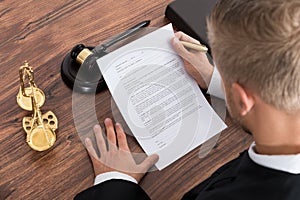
[(42, 32)]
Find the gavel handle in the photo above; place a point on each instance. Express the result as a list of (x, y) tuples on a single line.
[(124, 35)]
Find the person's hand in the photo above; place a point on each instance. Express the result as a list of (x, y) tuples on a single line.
[(198, 65), (116, 156)]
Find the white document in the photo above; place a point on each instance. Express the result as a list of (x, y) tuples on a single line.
[(161, 104)]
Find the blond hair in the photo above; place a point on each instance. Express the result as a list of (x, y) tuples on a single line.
[(257, 44)]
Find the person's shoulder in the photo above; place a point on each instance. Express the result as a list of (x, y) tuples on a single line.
[(266, 182)]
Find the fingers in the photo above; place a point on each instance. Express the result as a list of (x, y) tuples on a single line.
[(122, 140), (180, 49), (149, 162), (99, 139), (184, 37), (90, 148), (111, 136)]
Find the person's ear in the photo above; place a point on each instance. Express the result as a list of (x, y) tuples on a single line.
[(243, 98)]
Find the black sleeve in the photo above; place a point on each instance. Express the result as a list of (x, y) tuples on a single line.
[(113, 190)]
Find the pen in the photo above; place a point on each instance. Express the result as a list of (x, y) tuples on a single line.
[(80, 53), (125, 34), (197, 47)]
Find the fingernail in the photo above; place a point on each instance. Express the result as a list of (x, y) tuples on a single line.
[(87, 141), (107, 120), (176, 40), (96, 126)]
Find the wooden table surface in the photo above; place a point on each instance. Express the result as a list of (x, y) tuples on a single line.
[(42, 32)]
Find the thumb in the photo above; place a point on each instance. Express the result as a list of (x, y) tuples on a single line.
[(179, 48), (149, 162)]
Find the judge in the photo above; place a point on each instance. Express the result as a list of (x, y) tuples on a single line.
[(256, 49)]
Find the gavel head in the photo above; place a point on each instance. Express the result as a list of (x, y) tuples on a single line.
[(80, 71), (80, 53)]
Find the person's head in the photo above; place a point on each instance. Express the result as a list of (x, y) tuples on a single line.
[(256, 46)]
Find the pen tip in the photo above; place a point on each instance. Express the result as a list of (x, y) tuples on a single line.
[(147, 22)]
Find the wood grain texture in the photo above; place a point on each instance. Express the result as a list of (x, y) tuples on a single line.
[(42, 32)]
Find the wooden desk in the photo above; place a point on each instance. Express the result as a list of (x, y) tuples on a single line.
[(42, 32)]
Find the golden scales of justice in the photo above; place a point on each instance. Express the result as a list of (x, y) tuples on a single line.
[(40, 128)]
